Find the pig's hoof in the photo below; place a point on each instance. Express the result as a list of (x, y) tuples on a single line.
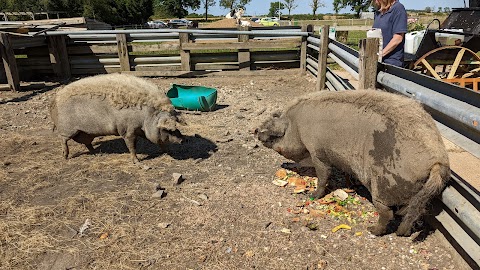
[(377, 230), (319, 193), (403, 230)]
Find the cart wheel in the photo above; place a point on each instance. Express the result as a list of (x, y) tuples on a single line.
[(449, 62)]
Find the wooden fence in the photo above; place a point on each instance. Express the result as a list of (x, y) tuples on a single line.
[(153, 52)]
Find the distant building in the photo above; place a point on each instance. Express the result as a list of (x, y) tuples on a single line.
[(366, 15)]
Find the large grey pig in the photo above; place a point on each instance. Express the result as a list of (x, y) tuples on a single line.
[(113, 104), (388, 142)]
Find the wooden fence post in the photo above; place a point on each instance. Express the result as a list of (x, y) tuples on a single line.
[(185, 54), (59, 56), (322, 58), (9, 62), (244, 54), (123, 52), (3, 76), (367, 65), (303, 49)]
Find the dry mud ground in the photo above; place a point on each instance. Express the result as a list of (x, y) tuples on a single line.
[(226, 214)]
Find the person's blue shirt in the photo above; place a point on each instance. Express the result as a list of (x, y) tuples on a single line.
[(394, 21)]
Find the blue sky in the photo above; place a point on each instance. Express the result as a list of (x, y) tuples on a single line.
[(261, 7)]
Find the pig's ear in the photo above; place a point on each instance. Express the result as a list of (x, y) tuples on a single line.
[(167, 123), (280, 125)]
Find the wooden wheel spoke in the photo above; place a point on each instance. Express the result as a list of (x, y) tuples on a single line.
[(459, 57), (459, 65), (430, 69)]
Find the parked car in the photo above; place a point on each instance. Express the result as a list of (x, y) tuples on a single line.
[(268, 21), (273, 18), (254, 19), (175, 23), (157, 24)]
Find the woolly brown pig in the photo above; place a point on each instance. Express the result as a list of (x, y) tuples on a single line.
[(113, 104), (388, 142)]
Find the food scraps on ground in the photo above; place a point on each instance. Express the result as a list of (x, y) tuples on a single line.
[(341, 226), (341, 204)]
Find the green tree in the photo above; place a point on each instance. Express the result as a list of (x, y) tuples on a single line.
[(109, 11), (290, 5), (315, 4), (275, 8), (355, 5), (206, 4), (336, 6), (231, 4), (176, 8)]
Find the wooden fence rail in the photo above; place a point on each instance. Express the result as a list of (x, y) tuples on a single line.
[(89, 53)]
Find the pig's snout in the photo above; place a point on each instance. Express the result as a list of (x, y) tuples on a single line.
[(176, 136)]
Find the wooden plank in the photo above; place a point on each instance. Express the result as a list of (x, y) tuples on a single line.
[(36, 67), (93, 49), (322, 59), (273, 56), (367, 65), (34, 61), (123, 52), (241, 45), (19, 42), (191, 74), (164, 46), (9, 62), (430, 68), (465, 81), (206, 66), (59, 56), (157, 68), (281, 65), (67, 21), (185, 53), (37, 51), (3, 77), (459, 57), (303, 50), (213, 57), (244, 54)]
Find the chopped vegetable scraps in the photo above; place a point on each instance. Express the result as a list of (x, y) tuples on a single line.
[(341, 204)]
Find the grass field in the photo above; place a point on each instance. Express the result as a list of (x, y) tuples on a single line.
[(354, 37)]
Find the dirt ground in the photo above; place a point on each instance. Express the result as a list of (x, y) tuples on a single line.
[(226, 214)]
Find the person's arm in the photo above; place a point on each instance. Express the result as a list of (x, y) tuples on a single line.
[(394, 42), (399, 25)]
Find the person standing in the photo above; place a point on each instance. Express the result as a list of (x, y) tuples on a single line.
[(391, 18)]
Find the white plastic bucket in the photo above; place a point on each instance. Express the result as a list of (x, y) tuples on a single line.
[(413, 40)]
